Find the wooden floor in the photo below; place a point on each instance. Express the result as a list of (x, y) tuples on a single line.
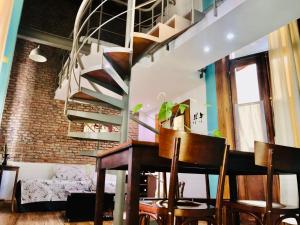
[(39, 218), (35, 218)]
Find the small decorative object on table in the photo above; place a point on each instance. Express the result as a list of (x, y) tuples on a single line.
[(5, 155)]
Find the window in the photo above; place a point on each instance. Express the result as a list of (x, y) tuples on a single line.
[(247, 84)]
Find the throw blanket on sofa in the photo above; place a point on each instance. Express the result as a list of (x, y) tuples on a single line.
[(37, 190), (66, 179)]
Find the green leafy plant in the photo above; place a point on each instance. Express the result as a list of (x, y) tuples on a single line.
[(217, 133), (137, 108), (165, 112)]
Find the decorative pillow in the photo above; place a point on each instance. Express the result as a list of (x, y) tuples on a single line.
[(70, 172), (110, 183)]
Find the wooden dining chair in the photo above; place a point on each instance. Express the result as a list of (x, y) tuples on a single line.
[(188, 149), (277, 159)]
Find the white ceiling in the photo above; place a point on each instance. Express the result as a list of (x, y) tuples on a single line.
[(176, 71), (261, 45)]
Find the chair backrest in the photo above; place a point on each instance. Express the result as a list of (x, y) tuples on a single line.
[(282, 158), (277, 158), (194, 148)]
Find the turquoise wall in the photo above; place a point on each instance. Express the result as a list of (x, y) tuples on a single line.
[(9, 51), (212, 115), (206, 4)]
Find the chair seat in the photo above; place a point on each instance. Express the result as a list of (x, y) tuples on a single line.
[(259, 203), (181, 204), (183, 208), (260, 206)]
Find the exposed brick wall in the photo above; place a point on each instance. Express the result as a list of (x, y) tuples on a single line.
[(33, 122)]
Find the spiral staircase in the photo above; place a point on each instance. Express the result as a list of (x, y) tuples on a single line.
[(102, 75)]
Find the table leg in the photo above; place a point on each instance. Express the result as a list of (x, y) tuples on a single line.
[(0, 176), (233, 186), (14, 191), (132, 200), (99, 194)]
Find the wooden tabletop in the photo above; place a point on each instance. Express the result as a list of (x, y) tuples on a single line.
[(240, 163), (9, 167)]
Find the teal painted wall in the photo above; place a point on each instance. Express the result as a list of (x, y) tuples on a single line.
[(9, 51), (212, 115), (206, 4)]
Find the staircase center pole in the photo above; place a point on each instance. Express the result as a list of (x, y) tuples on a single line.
[(121, 176), (130, 24)]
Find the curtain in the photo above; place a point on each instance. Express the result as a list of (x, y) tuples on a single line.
[(250, 125), (284, 56)]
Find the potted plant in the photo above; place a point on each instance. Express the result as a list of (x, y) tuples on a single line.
[(165, 114)]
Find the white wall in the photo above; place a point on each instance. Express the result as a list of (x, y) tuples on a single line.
[(194, 183), (197, 98), (144, 133)]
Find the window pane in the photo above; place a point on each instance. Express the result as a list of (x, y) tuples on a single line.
[(247, 84)]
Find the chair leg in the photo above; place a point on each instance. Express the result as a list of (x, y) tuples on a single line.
[(144, 220), (141, 220), (234, 218), (298, 220), (268, 220), (226, 216), (147, 220), (258, 220)]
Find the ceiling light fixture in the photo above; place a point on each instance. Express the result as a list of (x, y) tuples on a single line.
[(230, 36), (36, 55), (206, 49)]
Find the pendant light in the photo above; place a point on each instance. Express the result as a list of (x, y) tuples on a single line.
[(36, 55)]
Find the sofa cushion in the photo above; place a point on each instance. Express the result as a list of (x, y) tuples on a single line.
[(70, 172), (110, 182)]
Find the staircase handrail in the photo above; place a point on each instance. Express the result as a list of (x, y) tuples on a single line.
[(141, 9), (76, 49), (86, 38)]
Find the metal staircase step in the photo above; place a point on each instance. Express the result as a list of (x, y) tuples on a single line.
[(162, 31), (119, 59), (106, 76), (99, 76), (114, 74), (179, 23), (141, 44), (93, 136), (81, 116), (87, 95)]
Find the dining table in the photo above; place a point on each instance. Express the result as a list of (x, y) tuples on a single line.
[(138, 156)]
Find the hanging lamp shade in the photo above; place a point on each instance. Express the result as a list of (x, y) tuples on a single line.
[(36, 55)]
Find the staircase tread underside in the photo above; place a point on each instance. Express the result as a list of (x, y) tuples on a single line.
[(140, 46), (119, 61), (83, 96), (104, 79), (109, 136), (93, 116)]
